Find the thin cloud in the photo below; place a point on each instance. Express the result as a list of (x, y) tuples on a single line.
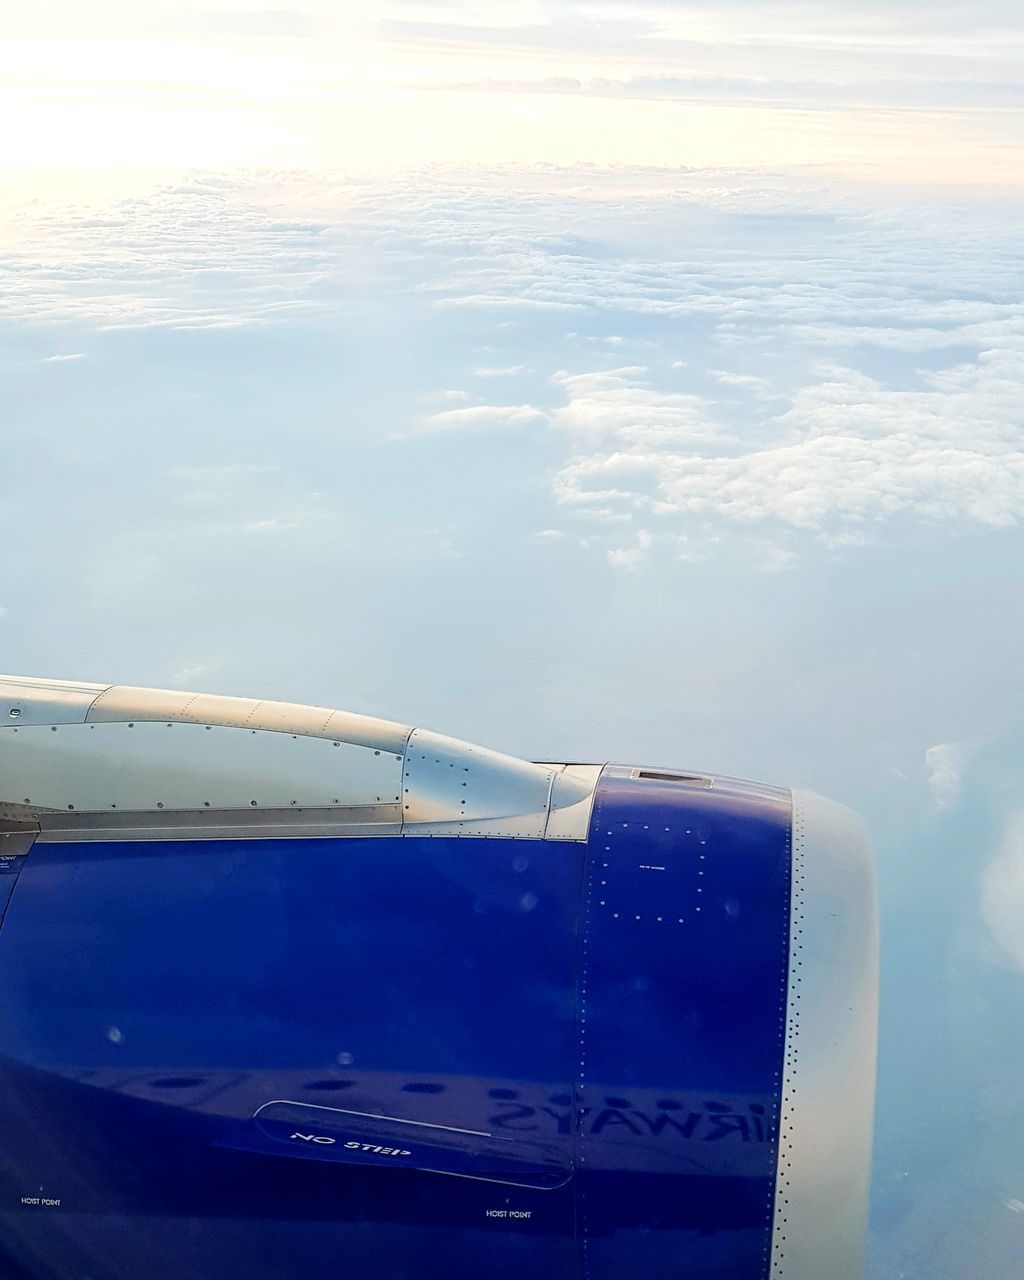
[(478, 416), (190, 674), (945, 762), (196, 256), (1002, 892), (633, 556)]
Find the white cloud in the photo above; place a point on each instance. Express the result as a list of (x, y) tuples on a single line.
[(945, 762), (635, 555), (769, 557), (756, 386), (847, 453), (617, 408), (507, 371), (1002, 892), (850, 448), (273, 525), (482, 415), (60, 359)]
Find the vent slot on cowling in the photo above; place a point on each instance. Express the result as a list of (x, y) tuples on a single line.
[(661, 775)]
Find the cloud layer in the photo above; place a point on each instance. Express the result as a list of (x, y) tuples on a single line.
[(716, 359)]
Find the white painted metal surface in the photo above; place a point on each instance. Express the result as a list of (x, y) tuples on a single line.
[(122, 702), (24, 700), (185, 763), (821, 1198)]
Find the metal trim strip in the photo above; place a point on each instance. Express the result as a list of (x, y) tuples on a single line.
[(222, 824)]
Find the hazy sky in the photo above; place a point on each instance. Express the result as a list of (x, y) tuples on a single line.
[(919, 91), (593, 380)]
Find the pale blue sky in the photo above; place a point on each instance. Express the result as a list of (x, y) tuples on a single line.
[(590, 380)]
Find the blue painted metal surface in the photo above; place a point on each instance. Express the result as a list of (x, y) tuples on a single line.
[(9, 867), (421, 1058), (684, 955)]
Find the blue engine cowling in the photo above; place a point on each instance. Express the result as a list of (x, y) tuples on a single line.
[(436, 1042)]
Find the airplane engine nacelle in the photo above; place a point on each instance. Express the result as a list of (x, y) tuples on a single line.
[(292, 991)]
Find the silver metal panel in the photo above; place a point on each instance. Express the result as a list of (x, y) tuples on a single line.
[(79, 749), (123, 703), (572, 801), (144, 766), (16, 839), (221, 824), (25, 700), (454, 788), (831, 1019)]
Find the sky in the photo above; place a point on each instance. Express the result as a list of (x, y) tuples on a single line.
[(594, 381)]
